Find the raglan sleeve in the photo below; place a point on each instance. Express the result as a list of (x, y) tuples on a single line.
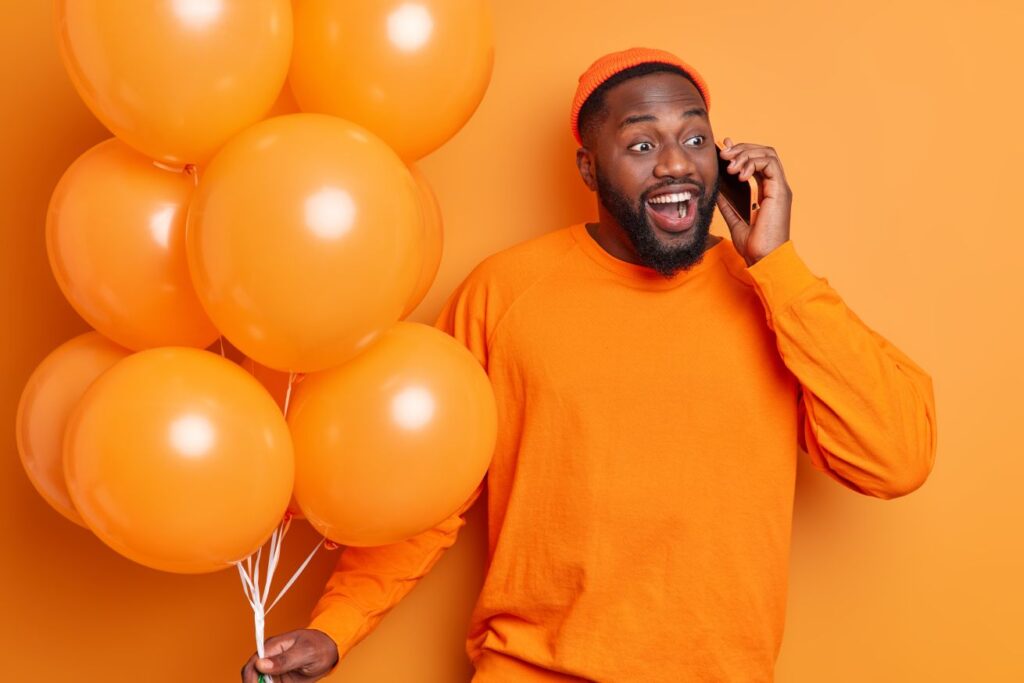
[(866, 410), (368, 582)]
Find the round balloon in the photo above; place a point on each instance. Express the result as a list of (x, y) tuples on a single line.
[(176, 78), (179, 460), (391, 443), (433, 240), (115, 236), (304, 240), (412, 72), (51, 393)]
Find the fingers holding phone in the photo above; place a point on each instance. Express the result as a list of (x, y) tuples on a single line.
[(755, 234)]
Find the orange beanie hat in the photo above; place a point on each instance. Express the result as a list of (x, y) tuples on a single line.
[(611, 64)]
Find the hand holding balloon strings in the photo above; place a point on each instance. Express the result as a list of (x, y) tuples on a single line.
[(250, 572), (352, 203), (250, 576)]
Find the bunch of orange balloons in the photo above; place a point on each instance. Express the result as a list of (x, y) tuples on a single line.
[(259, 189)]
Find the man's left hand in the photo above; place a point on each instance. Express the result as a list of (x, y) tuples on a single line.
[(775, 200)]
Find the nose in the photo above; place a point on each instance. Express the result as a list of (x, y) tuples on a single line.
[(674, 161)]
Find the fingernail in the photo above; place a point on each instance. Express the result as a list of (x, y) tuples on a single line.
[(265, 664)]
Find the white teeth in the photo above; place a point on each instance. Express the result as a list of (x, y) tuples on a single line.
[(670, 198)]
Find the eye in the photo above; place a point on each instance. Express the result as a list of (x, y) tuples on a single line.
[(697, 137), (642, 147)]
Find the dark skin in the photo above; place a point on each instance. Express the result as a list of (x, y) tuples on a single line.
[(655, 129), (300, 656), (660, 140)]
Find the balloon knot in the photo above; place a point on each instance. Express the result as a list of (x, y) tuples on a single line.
[(192, 170)]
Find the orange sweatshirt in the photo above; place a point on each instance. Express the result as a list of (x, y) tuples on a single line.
[(641, 491)]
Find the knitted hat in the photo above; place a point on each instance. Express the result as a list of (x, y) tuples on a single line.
[(611, 64)]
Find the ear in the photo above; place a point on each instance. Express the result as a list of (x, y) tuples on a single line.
[(585, 164)]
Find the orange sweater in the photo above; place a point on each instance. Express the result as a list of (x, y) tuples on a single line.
[(641, 492)]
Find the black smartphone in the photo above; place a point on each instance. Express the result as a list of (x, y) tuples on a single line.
[(735, 191)]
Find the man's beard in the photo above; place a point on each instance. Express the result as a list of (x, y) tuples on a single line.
[(667, 260)]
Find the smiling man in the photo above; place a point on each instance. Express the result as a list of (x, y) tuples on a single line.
[(655, 385), (663, 210)]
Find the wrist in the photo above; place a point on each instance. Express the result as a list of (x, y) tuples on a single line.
[(327, 642)]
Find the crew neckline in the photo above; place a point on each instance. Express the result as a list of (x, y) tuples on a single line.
[(639, 275)]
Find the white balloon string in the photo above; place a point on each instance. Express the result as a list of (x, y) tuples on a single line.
[(301, 569), (256, 565), (288, 394), (221, 340), (272, 559), (249, 572), (245, 585)]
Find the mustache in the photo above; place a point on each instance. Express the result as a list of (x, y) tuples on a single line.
[(669, 183)]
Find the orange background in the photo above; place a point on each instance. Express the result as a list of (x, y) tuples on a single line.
[(898, 126)]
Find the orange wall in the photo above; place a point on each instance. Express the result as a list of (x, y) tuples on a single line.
[(898, 125)]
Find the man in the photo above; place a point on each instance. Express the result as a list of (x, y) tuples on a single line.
[(653, 384)]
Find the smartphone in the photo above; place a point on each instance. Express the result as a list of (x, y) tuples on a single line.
[(736, 191)]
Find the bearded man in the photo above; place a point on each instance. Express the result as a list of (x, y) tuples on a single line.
[(654, 383)]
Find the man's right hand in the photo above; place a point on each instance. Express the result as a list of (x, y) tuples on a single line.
[(294, 657)]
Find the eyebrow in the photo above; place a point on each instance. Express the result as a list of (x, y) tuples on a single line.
[(643, 118)]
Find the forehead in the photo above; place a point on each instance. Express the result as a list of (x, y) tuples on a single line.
[(652, 94)]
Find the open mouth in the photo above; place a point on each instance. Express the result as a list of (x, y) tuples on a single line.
[(672, 211)]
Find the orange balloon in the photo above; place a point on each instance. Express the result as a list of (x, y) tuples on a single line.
[(176, 78), (412, 72), (391, 443), (303, 240), (115, 236), (433, 240), (50, 394), (178, 459)]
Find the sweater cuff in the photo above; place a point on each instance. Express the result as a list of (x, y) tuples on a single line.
[(342, 623), (780, 277)]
